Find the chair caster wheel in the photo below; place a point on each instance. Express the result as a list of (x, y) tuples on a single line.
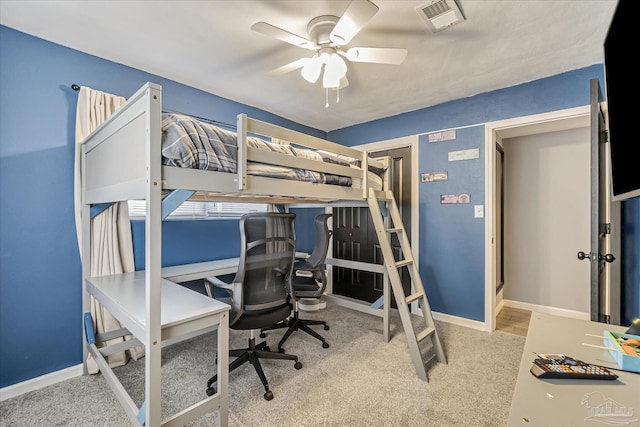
[(298, 365), (268, 395), (281, 350), (326, 327), (211, 391), (263, 335), (325, 345)]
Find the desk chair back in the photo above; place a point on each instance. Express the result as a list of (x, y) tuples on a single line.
[(263, 280), (307, 287)]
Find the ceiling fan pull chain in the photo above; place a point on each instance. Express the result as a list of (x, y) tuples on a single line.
[(326, 97), (338, 94)]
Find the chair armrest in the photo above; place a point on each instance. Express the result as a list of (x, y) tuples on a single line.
[(218, 284), (303, 273)]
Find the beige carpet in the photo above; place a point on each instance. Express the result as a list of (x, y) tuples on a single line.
[(359, 381)]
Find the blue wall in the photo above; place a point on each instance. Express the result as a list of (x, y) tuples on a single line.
[(630, 260), (558, 92), (453, 267), (40, 274)]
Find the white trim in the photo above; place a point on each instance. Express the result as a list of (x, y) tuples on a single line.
[(490, 140), (411, 141), (460, 321), (570, 118), (453, 128), (40, 382)]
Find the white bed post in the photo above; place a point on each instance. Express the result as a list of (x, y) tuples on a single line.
[(364, 164), (85, 258), (153, 259), (241, 138)]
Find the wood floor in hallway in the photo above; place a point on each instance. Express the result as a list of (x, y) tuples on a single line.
[(513, 320)]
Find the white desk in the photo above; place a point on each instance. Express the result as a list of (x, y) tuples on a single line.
[(568, 403), (200, 270), (183, 312)]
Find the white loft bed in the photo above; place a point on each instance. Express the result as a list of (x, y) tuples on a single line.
[(148, 303)]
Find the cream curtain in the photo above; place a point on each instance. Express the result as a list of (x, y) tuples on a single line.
[(111, 241)]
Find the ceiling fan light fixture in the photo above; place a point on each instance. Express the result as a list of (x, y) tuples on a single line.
[(334, 71), (328, 34), (312, 69)]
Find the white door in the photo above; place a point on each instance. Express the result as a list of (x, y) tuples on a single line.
[(604, 236)]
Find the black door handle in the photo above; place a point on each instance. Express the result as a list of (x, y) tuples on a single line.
[(590, 256), (582, 255), (606, 258)]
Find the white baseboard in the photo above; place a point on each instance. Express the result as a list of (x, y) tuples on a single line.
[(448, 318), (548, 310), (460, 321), (40, 382)]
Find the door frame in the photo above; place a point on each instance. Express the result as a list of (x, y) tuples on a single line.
[(553, 121)]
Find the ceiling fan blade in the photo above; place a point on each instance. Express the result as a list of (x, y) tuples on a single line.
[(378, 55), (299, 63), (358, 13), (280, 34)]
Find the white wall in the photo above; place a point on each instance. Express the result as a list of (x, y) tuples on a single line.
[(547, 217)]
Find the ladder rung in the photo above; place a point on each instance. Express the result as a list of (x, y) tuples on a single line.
[(384, 195), (414, 297), (424, 334), (404, 262), (394, 230)]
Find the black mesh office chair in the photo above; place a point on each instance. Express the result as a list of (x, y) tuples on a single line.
[(259, 293), (309, 285)]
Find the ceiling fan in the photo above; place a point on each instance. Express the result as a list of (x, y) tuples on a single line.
[(327, 37)]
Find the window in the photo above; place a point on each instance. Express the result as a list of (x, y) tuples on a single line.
[(200, 210)]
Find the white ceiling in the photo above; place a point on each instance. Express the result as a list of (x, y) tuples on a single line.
[(209, 45)]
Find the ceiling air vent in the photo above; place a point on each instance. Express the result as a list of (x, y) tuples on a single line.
[(441, 14)]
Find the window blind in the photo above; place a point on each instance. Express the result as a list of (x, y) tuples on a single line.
[(200, 210)]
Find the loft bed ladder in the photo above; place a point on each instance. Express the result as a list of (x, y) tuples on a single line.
[(387, 221)]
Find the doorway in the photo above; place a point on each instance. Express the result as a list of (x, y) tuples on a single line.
[(507, 134), (405, 152), (355, 239)]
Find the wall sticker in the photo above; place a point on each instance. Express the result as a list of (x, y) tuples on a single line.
[(434, 176), (448, 199), (473, 153)]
